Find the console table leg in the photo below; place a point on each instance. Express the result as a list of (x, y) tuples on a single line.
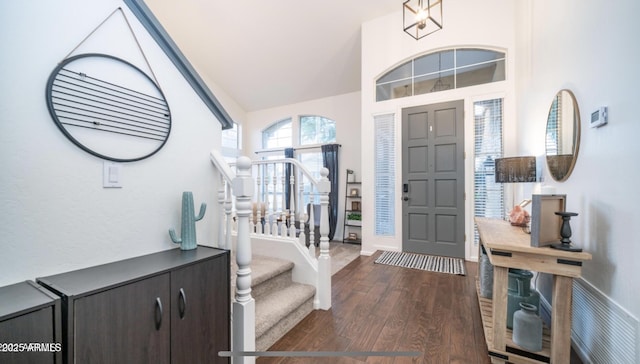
[(561, 319), (500, 284)]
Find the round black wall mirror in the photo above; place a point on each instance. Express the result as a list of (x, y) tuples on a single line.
[(108, 107)]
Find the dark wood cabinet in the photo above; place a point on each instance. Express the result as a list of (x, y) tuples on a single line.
[(200, 331), (167, 307), (30, 319)]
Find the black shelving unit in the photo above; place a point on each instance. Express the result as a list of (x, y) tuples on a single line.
[(352, 230)]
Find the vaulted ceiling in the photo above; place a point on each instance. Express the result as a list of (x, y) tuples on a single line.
[(271, 53)]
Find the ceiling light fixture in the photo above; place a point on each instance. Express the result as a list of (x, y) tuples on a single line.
[(421, 17)]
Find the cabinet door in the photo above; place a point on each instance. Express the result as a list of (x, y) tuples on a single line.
[(127, 324), (200, 312), (33, 327)]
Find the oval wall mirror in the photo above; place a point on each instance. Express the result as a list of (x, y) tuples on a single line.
[(562, 137)]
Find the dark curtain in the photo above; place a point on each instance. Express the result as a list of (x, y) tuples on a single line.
[(288, 153), (330, 161)]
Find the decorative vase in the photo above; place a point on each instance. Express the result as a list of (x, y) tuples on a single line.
[(187, 238), (519, 290), (527, 327)]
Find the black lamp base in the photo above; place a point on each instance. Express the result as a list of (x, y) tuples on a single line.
[(566, 247)]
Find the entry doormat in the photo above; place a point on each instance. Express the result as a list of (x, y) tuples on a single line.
[(430, 263)]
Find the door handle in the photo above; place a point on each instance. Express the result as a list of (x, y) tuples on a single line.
[(158, 313), (182, 303), (406, 198)]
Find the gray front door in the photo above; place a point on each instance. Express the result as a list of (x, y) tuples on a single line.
[(433, 179)]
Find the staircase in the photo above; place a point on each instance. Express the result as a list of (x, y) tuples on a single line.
[(267, 303), (280, 302)]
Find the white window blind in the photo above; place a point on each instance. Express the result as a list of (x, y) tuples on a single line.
[(384, 175), (488, 199), (553, 140)]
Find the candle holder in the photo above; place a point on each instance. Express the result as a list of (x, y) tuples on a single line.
[(565, 232)]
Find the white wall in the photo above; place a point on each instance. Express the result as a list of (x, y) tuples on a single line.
[(467, 23), (343, 109), (591, 49), (56, 216)]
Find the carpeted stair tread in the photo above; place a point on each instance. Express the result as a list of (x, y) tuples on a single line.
[(278, 305), (263, 269)]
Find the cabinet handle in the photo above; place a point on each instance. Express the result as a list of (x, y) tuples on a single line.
[(182, 303), (158, 313)]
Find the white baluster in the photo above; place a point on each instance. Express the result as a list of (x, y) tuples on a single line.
[(257, 226), (227, 209), (292, 203), (303, 237), (258, 222), (312, 228), (284, 232), (301, 206), (324, 260), (274, 215), (221, 230), (267, 210), (283, 198), (244, 312)]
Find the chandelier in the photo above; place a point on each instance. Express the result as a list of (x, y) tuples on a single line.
[(421, 17)]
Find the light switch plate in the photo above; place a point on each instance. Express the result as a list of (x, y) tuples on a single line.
[(111, 175)]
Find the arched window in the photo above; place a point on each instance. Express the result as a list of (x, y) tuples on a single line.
[(443, 70), (317, 130), (278, 135)]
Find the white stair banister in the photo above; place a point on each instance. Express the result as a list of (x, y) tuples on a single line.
[(243, 186), (244, 307)]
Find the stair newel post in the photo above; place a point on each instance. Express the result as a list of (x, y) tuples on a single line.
[(221, 205), (244, 315), (324, 260), (228, 206)]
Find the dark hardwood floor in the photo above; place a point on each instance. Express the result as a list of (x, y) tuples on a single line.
[(382, 308)]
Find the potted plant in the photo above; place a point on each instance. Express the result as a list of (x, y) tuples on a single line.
[(354, 218)]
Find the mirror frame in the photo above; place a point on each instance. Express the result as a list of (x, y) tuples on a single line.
[(576, 138)]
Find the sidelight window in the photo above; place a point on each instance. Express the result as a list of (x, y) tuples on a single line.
[(488, 195)]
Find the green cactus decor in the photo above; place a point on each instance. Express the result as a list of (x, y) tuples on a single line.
[(187, 239)]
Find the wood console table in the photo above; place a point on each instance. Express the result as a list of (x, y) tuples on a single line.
[(509, 247)]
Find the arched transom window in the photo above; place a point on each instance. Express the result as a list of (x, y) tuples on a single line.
[(443, 70)]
